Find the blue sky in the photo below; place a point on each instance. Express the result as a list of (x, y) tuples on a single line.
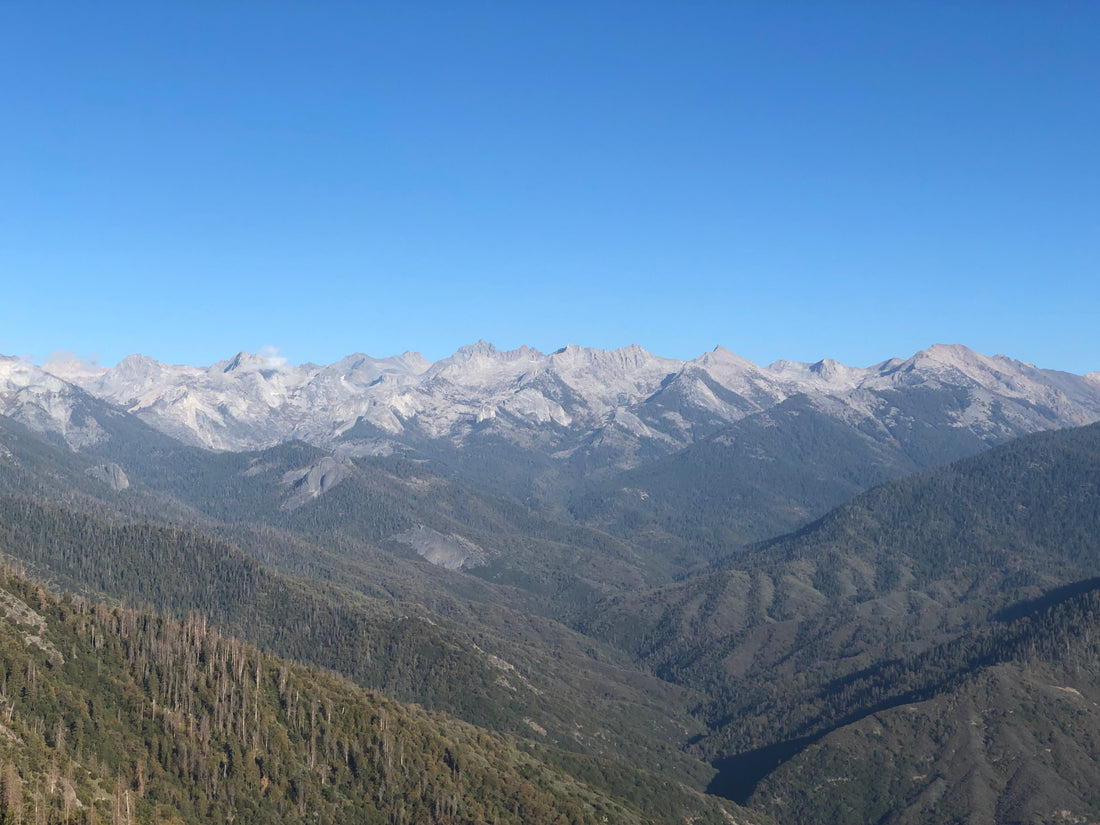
[(788, 179)]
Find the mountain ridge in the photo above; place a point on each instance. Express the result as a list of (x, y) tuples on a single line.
[(253, 401), (621, 439)]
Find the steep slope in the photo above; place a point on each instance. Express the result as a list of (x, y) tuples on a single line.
[(910, 564), (602, 703), (999, 726), (481, 661), (673, 465), (251, 400), (685, 460), (255, 401), (805, 438), (51, 407), (122, 714), (328, 515), (765, 475)]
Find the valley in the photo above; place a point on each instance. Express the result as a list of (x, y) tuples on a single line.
[(670, 590)]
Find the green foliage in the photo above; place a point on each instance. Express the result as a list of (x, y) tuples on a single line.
[(180, 571), (387, 645), (1000, 723), (115, 712), (777, 640)]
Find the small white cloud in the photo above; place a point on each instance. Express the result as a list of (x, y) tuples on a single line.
[(69, 366), (272, 359), (67, 356)]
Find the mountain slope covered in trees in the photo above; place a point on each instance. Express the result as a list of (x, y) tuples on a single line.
[(911, 564), (116, 714), (572, 694), (1001, 723)]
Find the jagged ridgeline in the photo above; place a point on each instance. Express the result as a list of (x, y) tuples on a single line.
[(111, 714)]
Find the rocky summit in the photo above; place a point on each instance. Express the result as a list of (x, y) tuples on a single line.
[(576, 394)]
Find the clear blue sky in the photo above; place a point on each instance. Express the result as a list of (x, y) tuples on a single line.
[(788, 179)]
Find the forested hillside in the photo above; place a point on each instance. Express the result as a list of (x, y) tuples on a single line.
[(1001, 723), (575, 696), (905, 567), (118, 715)]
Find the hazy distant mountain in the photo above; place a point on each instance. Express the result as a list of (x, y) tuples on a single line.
[(827, 433), (48, 405), (253, 401), (686, 458)]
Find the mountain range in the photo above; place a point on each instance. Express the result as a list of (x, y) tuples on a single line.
[(752, 581), (578, 394), (683, 458)]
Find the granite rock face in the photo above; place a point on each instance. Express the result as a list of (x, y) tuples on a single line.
[(636, 401)]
